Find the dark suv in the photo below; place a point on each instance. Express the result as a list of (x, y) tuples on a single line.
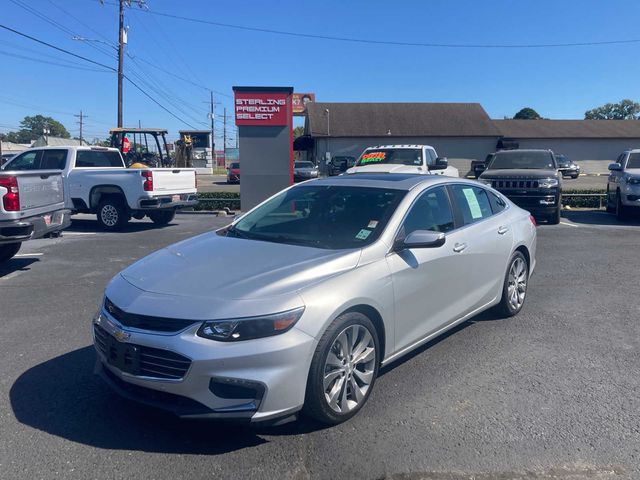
[(529, 178)]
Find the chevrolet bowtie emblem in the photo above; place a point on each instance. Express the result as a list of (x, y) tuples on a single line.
[(121, 335)]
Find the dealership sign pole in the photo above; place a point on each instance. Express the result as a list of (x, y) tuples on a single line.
[(265, 130)]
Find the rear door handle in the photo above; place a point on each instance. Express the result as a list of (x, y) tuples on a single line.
[(502, 230), (459, 247)]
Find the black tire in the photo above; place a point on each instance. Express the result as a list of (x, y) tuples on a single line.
[(8, 250), (112, 213), (162, 217), (316, 405), (506, 308), (574, 176), (554, 219), (610, 208), (621, 210)]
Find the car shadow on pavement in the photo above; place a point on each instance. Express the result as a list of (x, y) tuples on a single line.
[(16, 264), (86, 225), (599, 217), (63, 397)]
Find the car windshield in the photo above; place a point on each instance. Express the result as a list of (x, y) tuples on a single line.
[(562, 161), (304, 165), (322, 216), (634, 160), (398, 156), (234, 165), (522, 160)]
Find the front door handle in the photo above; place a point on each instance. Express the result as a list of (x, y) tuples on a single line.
[(459, 247), (502, 230)]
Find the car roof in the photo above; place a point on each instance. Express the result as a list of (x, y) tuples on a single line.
[(395, 181), (546, 150), (398, 146), (74, 147)]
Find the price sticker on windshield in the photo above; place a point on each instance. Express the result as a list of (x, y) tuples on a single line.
[(374, 157), (472, 201), (363, 234)]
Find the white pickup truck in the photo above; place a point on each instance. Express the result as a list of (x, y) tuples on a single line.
[(31, 206), (96, 181), (415, 159)]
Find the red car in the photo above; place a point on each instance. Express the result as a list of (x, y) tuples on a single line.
[(233, 173)]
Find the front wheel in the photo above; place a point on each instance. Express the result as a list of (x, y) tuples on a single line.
[(8, 250), (343, 370), (514, 289), (554, 219), (621, 210), (162, 217)]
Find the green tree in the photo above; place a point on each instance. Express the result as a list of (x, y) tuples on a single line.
[(527, 114), (623, 110), (32, 127), (298, 132)]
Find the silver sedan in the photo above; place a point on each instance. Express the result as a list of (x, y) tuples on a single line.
[(298, 303)]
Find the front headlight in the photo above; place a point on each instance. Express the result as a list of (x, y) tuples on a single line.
[(549, 183), (633, 180), (238, 329)]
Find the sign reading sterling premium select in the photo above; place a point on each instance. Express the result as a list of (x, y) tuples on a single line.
[(262, 108), (265, 132)]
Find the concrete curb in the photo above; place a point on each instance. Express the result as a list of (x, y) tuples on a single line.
[(216, 213)]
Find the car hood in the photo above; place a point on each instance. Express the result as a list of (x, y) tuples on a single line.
[(215, 266), (518, 173), (387, 168), (633, 171), (305, 170)]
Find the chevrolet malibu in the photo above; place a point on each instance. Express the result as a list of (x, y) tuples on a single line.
[(298, 303)]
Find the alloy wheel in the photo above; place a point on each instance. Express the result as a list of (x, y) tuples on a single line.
[(109, 215), (349, 368), (517, 286)]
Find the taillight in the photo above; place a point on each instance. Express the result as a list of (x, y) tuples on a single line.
[(533, 220), (11, 199), (148, 180)]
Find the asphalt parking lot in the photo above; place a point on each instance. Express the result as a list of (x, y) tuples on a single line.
[(552, 393)]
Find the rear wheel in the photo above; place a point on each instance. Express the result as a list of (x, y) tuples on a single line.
[(514, 289), (162, 217), (8, 250), (112, 213), (343, 370)]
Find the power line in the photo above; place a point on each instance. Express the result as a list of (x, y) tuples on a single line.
[(38, 60), (387, 42), (100, 65)]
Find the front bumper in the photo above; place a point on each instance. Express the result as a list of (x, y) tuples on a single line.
[(630, 195), (536, 204), (183, 200), (34, 227), (254, 381)]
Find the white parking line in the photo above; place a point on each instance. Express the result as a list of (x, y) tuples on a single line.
[(569, 224), (28, 255)]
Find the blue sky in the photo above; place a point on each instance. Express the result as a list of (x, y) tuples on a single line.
[(557, 82)]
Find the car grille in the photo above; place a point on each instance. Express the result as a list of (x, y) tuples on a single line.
[(146, 322), (513, 183), (140, 360)]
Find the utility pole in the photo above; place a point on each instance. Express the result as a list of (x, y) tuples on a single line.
[(212, 115), (121, 41), (224, 134), (81, 117)]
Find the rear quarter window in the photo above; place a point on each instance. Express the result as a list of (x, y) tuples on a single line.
[(98, 159)]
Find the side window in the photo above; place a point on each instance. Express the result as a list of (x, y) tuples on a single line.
[(431, 160), (497, 203), (98, 159), (25, 161), (431, 211), (53, 159), (620, 159), (473, 203)]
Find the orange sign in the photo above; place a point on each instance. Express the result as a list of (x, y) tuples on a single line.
[(300, 101)]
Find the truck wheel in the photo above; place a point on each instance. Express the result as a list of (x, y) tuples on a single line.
[(112, 214), (609, 207), (554, 219), (8, 250), (162, 217)]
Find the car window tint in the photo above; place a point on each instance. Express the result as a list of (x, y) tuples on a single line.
[(497, 203), (25, 161), (98, 159), (53, 159), (633, 161), (473, 203), (431, 211)]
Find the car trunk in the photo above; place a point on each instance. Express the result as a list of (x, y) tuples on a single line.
[(173, 180), (40, 191)]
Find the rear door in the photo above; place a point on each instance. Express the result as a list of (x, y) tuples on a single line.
[(41, 190), (174, 180), (489, 240)]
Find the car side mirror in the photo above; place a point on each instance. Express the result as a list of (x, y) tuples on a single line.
[(422, 239), (440, 164), (615, 167)]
